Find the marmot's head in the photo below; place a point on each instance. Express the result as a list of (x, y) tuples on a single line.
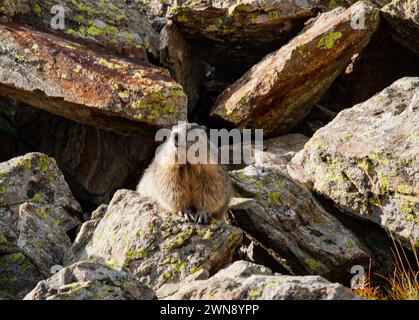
[(182, 137), (186, 134)]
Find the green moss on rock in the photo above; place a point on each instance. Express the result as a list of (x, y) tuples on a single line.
[(328, 41)]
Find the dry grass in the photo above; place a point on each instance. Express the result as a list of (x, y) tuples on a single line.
[(401, 284), (369, 291)]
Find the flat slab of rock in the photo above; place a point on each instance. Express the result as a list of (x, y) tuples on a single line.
[(366, 160), (285, 218), (36, 210), (85, 85), (247, 281), (90, 281), (403, 18), (280, 90), (154, 245), (114, 24)]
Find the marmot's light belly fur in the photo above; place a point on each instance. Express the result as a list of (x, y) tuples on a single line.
[(197, 191)]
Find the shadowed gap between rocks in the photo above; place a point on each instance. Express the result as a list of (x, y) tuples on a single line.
[(95, 162)]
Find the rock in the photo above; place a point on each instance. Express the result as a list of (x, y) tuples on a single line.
[(229, 37), (36, 210), (286, 219), (86, 85), (85, 234), (272, 95), (275, 152), (279, 151), (154, 9), (366, 160), (5, 296), (95, 162), (247, 281), (234, 35), (257, 254), (365, 75), (36, 179), (17, 275), (177, 55), (318, 117), (169, 289), (90, 281), (376, 240), (154, 245), (113, 24), (403, 19)]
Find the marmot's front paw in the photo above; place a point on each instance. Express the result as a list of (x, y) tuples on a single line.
[(199, 217), (203, 217), (187, 215)]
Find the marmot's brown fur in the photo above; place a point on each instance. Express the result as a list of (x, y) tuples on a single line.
[(197, 191)]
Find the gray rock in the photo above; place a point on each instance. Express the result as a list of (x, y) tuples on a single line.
[(155, 245), (403, 18), (36, 179), (84, 236), (279, 151), (36, 210), (276, 152), (366, 160), (286, 219), (91, 281), (247, 281)]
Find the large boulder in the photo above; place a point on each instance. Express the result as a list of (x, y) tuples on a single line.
[(365, 76), (90, 281), (85, 84), (403, 19), (280, 90), (154, 245), (237, 34), (229, 37), (247, 281), (284, 217), (36, 179), (366, 160), (114, 24), (36, 210), (95, 162)]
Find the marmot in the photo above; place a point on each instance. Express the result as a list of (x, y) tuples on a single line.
[(199, 192)]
